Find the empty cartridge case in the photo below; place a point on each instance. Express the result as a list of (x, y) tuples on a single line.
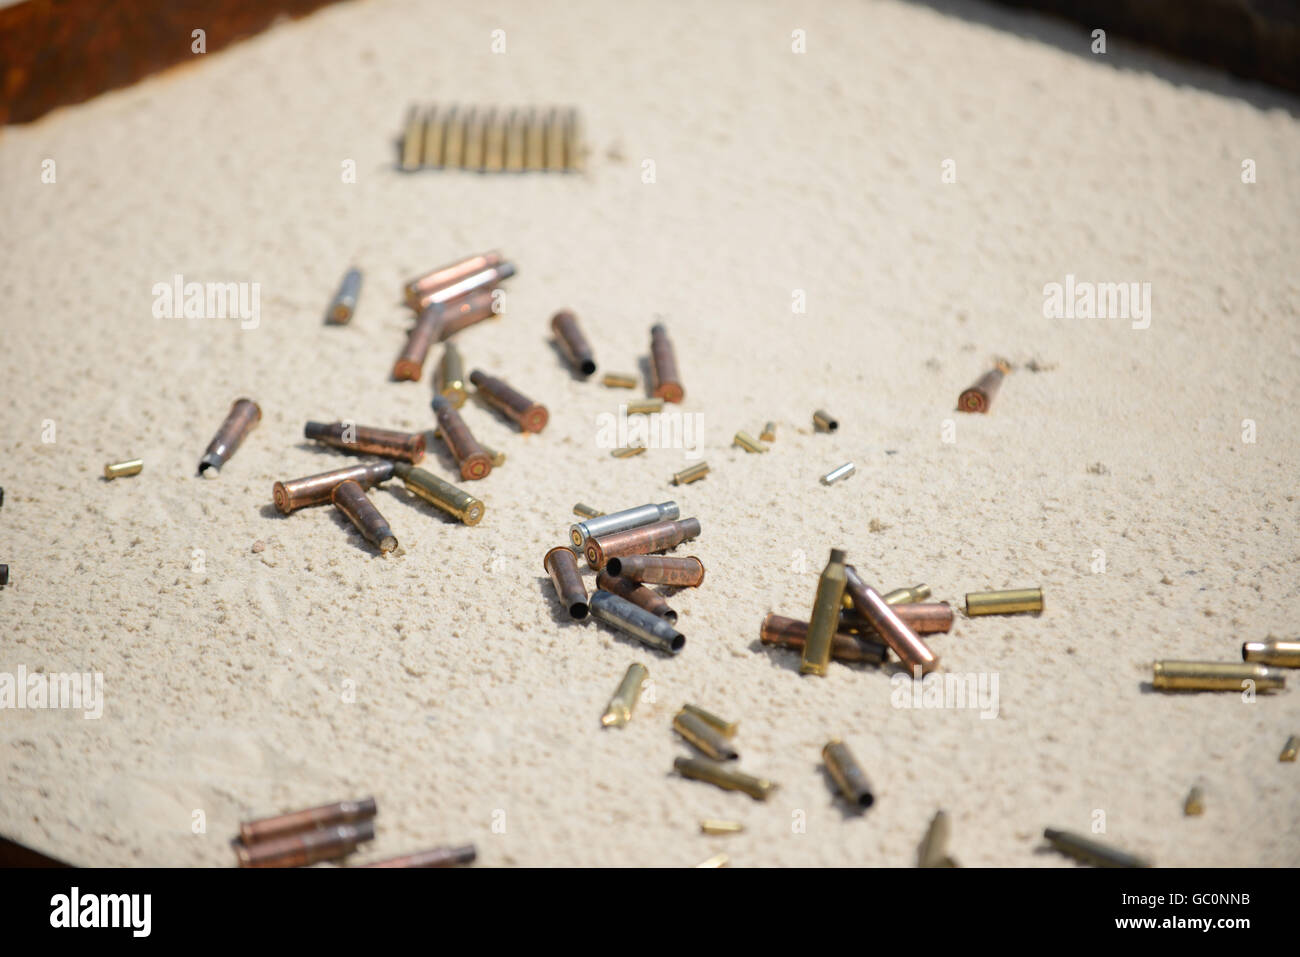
[(449, 376), (1007, 602), (924, 618), (365, 440), (839, 472), (979, 397), (494, 142), (619, 380), (433, 138), (716, 861), (714, 826), (562, 565), (1091, 852), (911, 650), (240, 420), (528, 415), (783, 632), (350, 499), (647, 628), (443, 495), (572, 342), (473, 461), (704, 736), (341, 812), (933, 849), (769, 432), (848, 774), (823, 421), (619, 710), (644, 406), (463, 284), (473, 157), (685, 572), (114, 470), (1283, 654), (1215, 676), (344, 303), (907, 596), (306, 847), (825, 617), (724, 727), (434, 857), (727, 778), (450, 318), (691, 474), (410, 361), (1290, 749), (412, 142), (1194, 805), (748, 442), (515, 141), (664, 380), (438, 321), (621, 521), (627, 453), (554, 141), (644, 540), (637, 594), (586, 511), (317, 489)]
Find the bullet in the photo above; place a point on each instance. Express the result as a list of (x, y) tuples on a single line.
[(619, 380), (586, 511), (644, 406), (979, 397), (242, 419), (442, 277), (924, 618), (715, 826), (704, 736), (848, 774), (455, 502), (716, 861), (412, 142), (823, 421), (727, 778), (575, 150), (1007, 602), (644, 540), (449, 376), (523, 411), (685, 572), (769, 432), (114, 470), (453, 139), (1089, 851), (825, 617), (434, 857), (619, 710), (747, 442), (911, 650), (664, 380), (637, 594), (782, 632), (306, 847), (649, 629), (433, 138), (562, 565), (365, 440), (840, 472), (534, 143), (494, 143), (480, 281), (621, 521), (693, 474), (933, 850), (572, 342), (473, 461), (627, 453), (473, 156), (350, 499), (279, 825), (1215, 676), (1290, 749), (907, 596), (1283, 654), (317, 489), (344, 303), (515, 142), (724, 727), (554, 142), (1194, 805)]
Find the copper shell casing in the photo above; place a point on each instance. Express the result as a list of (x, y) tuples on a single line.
[(687, 572), (637, 594), (848, 774), (483, 279), (980, 396), (645, 540), (664, 378), (386, 443), (527, 414), (350, 499), (782, 632), (572, 342), (474, 462), (317, 489), (410, 361), (448, 275), (434, 857), (341, 812), (924, 618), (562, 565), (911, 650), (459, 314), (243, 416), (306, 847)]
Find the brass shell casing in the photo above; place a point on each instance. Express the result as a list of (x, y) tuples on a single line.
[(644, 406), (455, 502), (691, 474), (637, 594), (782, 632), (572, 342), (823, 421), (644, 540), (114, 470), (848, 774), (627, 453), (933, 849), (365, 440), (434, 857), (715, 826), (344, 303), (724, 727), (911, 650), (907, 596), (748, 442), (723, 776), (980, 396), (412, 142), (1282, 654), (317, 489), (619, 380), (685, 572), (473, 460), (341, 812), (242, 418), (562, 565), (1290, 749), (1091, 852), (462, 313), (825, 617), (664, 379), (434, 139), (1215, 676), (586, 511), (306, 847), (769, 432), (528, 415), (350, 499), (619, 710), (449, 376), (1008, 602), (704, 736)]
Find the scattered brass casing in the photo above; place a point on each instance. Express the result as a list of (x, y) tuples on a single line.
[(825, 617), (704, 736), (848, 774), (1091, 852), (1282, 654), (434, 857), (114, 470), (455, 502), (692, 474), (1215, 676), (727, 778), (1008, 602), (619, 710)]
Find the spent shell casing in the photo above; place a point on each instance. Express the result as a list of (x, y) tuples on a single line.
[(704, 736), (344, 303), (823, 421), (1290, 749), (515, 141), (586, 511), (748, 442), (434, 857), (409, 365), (528, 415), (455, 502), (366, 440), (911, 650), (575, 149), (453, 139), (637, 594), (350, 499), (494, 142), (449, 376), (243, 416), (572, 342), (716, 861), (562, 565), (412, 142), (317, 489), (472, 459), (1215, 676), (691, 474), (782, 632), (340, 812), (449, 275), (534, 142), (649, 629), (433, 138), (724, 727), (619, 710), (620, 521), (725, 777), (1091, 852), (715, 826), (643, 406), (848, 774), (665, 382), (643, 540), (907, 596), (1008, 602), (769, 432), (306, 847), (687, 572), (979, 396), (452, 317), (474, 282), (627, 453), (619, 380), (114, 470), (1282, 654), (1194, 804), (825, 616), (473, 156), (933, 849), (924, 618), (838, 473), (554, 141)]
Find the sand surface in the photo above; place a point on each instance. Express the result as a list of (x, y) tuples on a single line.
[(299, 667)]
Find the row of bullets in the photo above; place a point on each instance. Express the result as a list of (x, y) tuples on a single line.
[(328, 833), (491, 140)]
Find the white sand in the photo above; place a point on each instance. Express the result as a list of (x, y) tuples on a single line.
[(775, 172)]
